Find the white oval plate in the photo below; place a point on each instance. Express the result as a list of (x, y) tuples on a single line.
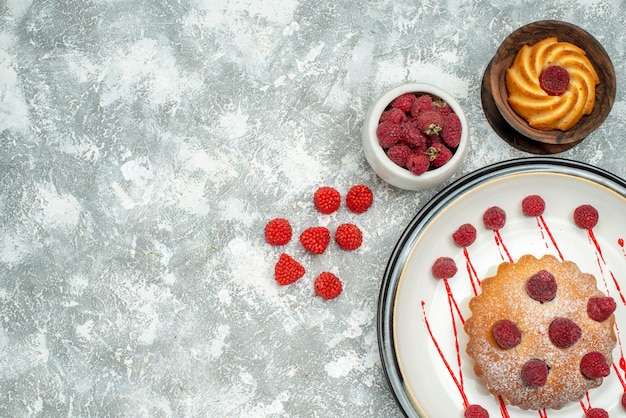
[(427, 381)]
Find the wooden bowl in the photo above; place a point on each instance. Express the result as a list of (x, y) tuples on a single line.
[(531, 34)]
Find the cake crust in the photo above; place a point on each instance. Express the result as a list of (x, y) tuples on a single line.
[(504, 296)]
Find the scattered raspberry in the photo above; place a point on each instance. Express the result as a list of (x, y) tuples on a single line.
[(535, 373), (404, 102), (564, 332), (554, 80), (596, 413), (388, 134), (412, 136), (327, 200), (623, 400), (429, 122), (594, 365), (423, 103), (585, 216), (398, 154), (348, 236), (541, 286), (438, 154), (494, 218), (278, 231), (287, 270), (359, 198), (506, 333), (533, 205), (327, 285), (442, 107), (444, 268), (315, 239), (451, 130), (465, 235), (475, 411), (601, 308), (393, 115), (418, 163)]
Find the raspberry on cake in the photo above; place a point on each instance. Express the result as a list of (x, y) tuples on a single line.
[(562, 352)]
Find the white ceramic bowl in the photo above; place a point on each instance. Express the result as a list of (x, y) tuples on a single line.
[(389, 171)]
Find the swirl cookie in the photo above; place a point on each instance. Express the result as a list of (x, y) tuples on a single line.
[(551, 84), (541, 333)]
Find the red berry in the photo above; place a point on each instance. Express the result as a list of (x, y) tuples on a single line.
[(594, 365), (327, 200), (585, 216), (444, 268), (429, 122), (395, 116), (533, 205), (564, 332), (287, 270), (359, 198), (535, 373), (596, 413), (475, 411), (451, 130), (388, 134), (398, 154), (348, 236), (404, 102), (623, 400), (442, 107), (554, 80), (418, 163), (541, 286), (412, 136), (278, 231), (601, 308), (438, 154), (465, 235), (506, 333), (422, 104), (315, 239), (494, 218), (327, 285)]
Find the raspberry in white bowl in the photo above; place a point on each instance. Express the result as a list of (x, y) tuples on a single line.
[(415, 136)]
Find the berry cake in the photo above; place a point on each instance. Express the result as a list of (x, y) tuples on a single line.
[(551, 84), (541, 333)]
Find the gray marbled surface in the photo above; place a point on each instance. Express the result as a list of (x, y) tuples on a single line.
[(143, 146)]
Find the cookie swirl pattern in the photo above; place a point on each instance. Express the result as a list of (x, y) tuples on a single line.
[(541, 110)]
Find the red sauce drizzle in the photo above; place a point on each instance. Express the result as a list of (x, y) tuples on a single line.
[(503, 411), (502, 246), (543, 226), (621, 376), (543, 413), (471, 271), (602, 262), (457, 382)]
